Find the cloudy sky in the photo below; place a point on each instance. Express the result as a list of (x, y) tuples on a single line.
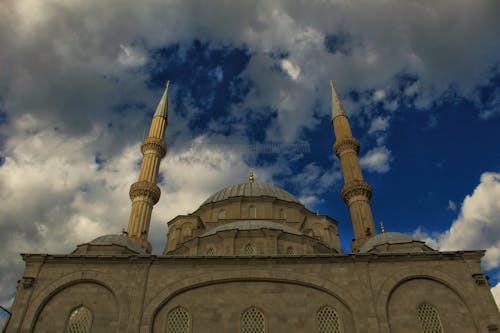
[(80, 80)]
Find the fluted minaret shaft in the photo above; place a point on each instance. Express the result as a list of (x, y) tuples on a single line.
[(356, 191), (145, 193)]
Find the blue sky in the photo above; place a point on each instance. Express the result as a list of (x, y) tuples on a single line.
[(420, 82)]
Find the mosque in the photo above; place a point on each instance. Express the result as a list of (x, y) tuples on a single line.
[(253, 259)]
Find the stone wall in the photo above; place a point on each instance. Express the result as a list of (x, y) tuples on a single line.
[(371, 293)]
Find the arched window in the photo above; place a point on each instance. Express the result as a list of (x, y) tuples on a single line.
[(290, 251), (211, 251), (249, 250), (282, 214), (178, 321), (328, 320), (252, 212), (222, 214), (252, 321), (80, 320), (429, 318)]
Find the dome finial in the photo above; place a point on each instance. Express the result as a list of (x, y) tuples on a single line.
[(251, 179), (382, 229)]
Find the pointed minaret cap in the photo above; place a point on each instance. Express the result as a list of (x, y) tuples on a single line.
[(162, 109), (337, 109)]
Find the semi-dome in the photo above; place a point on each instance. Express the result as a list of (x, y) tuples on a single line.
[(252, 225), (120, 241), (251, 190), (385, 238)]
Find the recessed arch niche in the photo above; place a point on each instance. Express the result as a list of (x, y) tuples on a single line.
[(406, 298), (287, 307)]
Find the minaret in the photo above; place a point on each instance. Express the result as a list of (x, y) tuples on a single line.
[(356, 191), (145, 193)]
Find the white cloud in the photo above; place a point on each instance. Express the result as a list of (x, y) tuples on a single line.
[(477, 226), (131, 56), (412, 89), (379, 124), (378, 95), (290, 69), (376, 160)]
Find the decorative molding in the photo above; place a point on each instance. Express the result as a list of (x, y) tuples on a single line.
[(145, 189), (154, 144), (493, 328), (481, 279), (349, 143), (278, 259), (27, 282), (356, 188)]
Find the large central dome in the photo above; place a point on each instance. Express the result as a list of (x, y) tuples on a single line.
[(251, 190)]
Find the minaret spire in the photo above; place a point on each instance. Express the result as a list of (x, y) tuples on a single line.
[(145, 193), (356, 191), (337, 109)]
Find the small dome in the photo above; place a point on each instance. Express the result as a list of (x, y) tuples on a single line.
[(385, 238), (252, 225), (251, 190), (119, 240)]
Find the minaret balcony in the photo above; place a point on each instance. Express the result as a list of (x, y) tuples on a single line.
[(145, 189), (154, 145), (345, 145), (356, 188)]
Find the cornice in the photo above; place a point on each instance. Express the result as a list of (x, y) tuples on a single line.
[(277, 259)]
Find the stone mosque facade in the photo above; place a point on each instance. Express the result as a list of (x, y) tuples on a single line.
[(253, 259)]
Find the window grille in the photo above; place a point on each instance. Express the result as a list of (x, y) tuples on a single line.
[(80, 320), (178, 321), (222, 214), (328, 320), (252, 321), (290, 251), (211, 252), (249, 250), (429, 318)]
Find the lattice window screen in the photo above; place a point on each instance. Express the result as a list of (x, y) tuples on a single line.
[(249, 250), (178, 321), (429, 318), (328, 320), (290, 251), (211, 252), (80, 320), (253, 321)]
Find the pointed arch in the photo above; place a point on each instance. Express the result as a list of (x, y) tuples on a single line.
[(328, 320), (79, 320), (253, 321)]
